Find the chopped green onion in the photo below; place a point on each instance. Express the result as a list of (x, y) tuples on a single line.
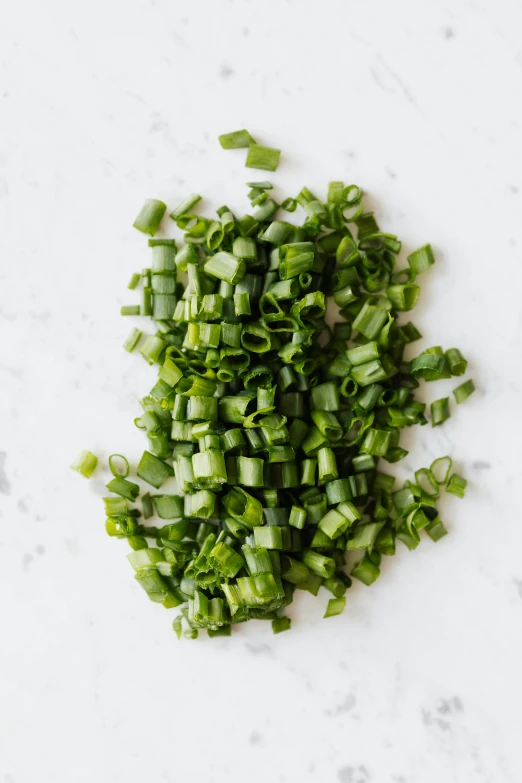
[(168, 506), (274, 420), (150, 216), (260, 157), (185, 206), (463, 391), (235, 140), (281, 624), (226, 267), (319, 564), (113, 466), (457, 485), (153, 470), (440, 469), (439, 411), (85, 463), (428, 366), (366, 571), (457, 364), (132, 340), (421, 259), (133, 282), (335, 606), (127, 489)]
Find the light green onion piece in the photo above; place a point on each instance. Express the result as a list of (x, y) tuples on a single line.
[(185, 206), (113, 466), (457, 485), (226, 267), (150, 216), (440, 469), (335, 606), (85, 463), (235, 140), (260, 157), (133, 282), (132, 340)]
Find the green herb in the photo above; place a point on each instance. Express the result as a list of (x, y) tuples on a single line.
[(463, 391), (335, 606), (85, 463), (260, 157), (235, 140), (150, 216), (277, 428)]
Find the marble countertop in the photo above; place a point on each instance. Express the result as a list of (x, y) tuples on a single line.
[(106, 103)]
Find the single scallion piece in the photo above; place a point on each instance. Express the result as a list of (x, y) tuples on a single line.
[(260, 157), (150, 216), (85, 463), (456, 485), (463, 391), (335, 606), (235, 140), (440, 411)]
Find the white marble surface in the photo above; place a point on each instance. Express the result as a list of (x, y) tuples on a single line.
[(105, 103)]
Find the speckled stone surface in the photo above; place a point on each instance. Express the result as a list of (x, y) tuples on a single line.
[(106, 103)]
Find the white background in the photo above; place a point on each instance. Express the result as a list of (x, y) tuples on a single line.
[(106, 103)]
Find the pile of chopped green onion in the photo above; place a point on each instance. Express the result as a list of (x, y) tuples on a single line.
[(277, 428)]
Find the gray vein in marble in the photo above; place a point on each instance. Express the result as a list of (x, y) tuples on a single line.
[(226, 72), (350, 774), (345, 706), (258, 649), (5, 486), (398, 81), (255, 738)]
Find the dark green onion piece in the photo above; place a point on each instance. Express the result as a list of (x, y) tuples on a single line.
[(319, 564), (275, 422), (281, 624), (439, 411), (427, 366), (457, 364), (366, 571), (421, 259), (463, 391)]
